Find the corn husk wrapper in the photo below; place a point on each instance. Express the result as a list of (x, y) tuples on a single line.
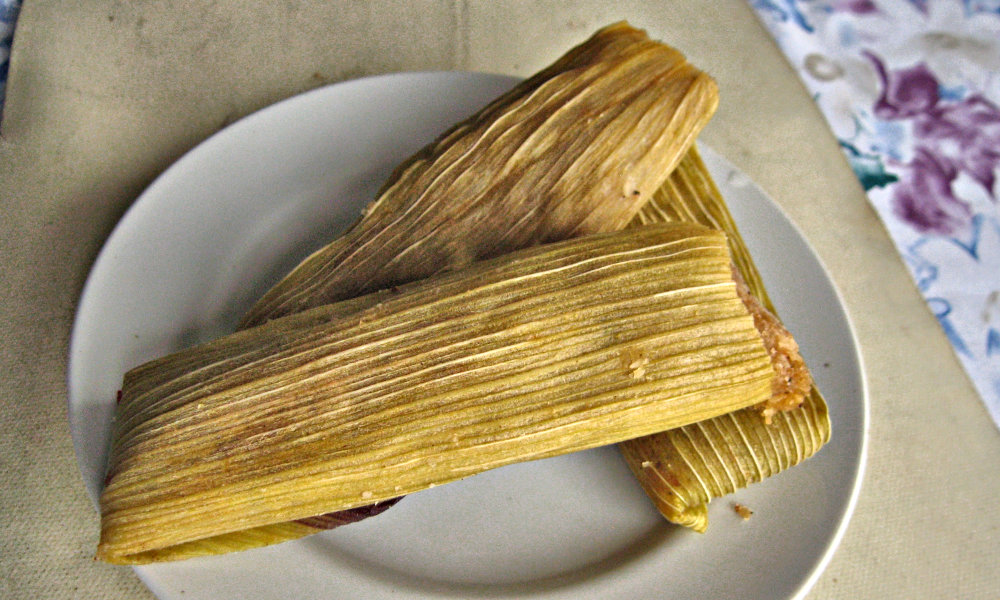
[(683, 469), (523, 357), (575, 149), (519, 172), (578, 148)]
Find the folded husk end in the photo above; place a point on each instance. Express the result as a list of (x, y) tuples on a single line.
[(682, 470)]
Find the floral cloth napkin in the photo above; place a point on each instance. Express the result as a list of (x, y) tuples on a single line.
[(8, 16), (911, 89)]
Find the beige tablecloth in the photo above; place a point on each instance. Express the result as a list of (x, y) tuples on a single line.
[(104, 95)]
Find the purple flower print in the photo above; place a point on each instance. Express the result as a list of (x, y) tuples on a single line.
[(949, 138), (923, 197), (906, 93), (857, 7), (969, 131)]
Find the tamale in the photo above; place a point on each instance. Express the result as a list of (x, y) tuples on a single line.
[(575, 149), (526, 356), (683, 469), (578, 148)]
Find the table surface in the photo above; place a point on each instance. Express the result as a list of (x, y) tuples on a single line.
[(102, 96)]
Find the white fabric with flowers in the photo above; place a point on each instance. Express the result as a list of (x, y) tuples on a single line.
[(911, 89)]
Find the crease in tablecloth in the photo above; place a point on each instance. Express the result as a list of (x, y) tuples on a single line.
[(911, 89)]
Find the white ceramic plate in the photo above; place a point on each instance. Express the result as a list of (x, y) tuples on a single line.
[(228, 219)]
